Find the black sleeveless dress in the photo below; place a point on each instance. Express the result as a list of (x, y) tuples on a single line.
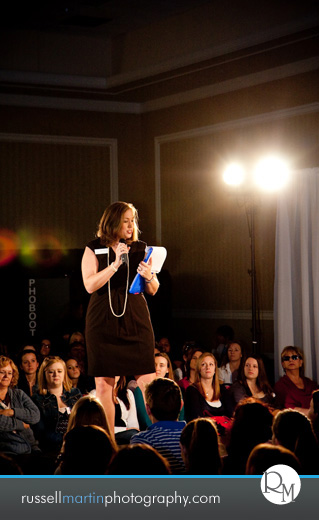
[(119, 346)]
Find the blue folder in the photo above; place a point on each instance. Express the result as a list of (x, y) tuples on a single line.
[(138, 284)]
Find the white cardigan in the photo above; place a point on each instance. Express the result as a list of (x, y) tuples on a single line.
[(128, 416)]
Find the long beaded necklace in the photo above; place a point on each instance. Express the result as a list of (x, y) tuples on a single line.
[(126, 291)]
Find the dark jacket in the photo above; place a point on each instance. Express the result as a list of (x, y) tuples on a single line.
[(46, 429), (14, 437), (24, 385)]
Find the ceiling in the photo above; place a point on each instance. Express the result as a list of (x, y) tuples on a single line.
[(107, 18), (122, 54)]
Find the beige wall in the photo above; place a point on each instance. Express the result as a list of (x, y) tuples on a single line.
[(204, 227)]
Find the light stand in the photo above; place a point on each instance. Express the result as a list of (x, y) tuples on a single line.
[(252, 273), (271, 173)]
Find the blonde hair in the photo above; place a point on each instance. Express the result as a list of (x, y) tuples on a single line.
[(4, 361), (111, 222), (42, 382), (215, 382)]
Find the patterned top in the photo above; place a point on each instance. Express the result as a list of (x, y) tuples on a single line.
[(164, 437)]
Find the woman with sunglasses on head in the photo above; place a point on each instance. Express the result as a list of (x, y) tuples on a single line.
[(294, 390)]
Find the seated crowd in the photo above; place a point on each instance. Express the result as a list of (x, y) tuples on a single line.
[(207, 413)]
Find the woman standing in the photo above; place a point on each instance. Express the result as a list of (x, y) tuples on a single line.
[(119, 333)]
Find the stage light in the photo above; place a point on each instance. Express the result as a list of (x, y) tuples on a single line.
[(234, 175), (271, 174)]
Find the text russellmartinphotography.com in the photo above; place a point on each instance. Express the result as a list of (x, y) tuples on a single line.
[(120, 499)]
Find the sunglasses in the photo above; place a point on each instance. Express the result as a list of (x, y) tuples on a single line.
[(294, 357)]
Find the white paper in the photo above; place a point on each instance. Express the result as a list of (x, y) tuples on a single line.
[(158, 257)]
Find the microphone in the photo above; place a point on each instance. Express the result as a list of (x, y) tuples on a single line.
[(124, 256)]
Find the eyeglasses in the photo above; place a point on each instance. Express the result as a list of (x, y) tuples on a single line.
[(294, 357)]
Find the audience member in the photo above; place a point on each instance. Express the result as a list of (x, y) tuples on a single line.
[(25, 346), (55, 399), (28, 378), (203, 398), (193, 354), (77, 337), (77, 351), (45, 349), (313, 412), (229, 370), (252, 382), (163, 404), (84, 383), (293, 430), (88, 411), (138, 459), (17, 412), (200, 448), (224, 335), (163, 366), (187, 347), (126, 423), (266, 455), (87, 450), (164, 345), (251, 426), (294, 390)]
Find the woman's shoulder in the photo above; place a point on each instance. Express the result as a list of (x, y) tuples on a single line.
[(37, 397), (18, 395), (192, 390), (94, 244), (237, 388), (237, 384), (310, 383), (74, 392), (282, 382)]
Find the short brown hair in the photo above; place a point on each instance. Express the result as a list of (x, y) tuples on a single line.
[(164, 398)]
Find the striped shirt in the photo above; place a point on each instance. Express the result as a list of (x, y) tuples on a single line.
[(164, 437)]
